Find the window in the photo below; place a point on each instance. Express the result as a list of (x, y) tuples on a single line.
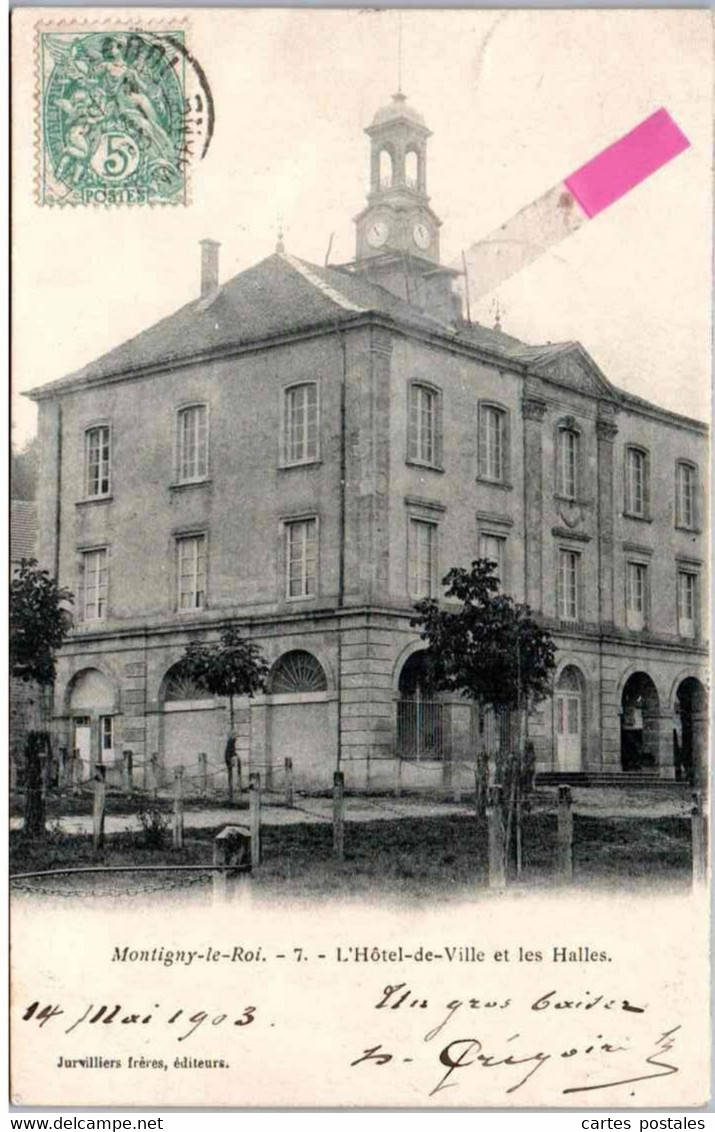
[(567, 463), (192, 448), (493, 547), (422, 558), (191, 572), (95, 573), (569, 585), (302, 558), (687, 597), (424, 443), (636, 483), (96, 448), (492, 444), (685, 483), (300, 424), (106, 738), (636, 594)]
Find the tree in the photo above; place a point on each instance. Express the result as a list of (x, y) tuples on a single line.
[(23, 470), (492, 649), (232, 667), (39, 623)]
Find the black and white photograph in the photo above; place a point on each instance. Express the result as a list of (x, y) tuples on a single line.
[(359, 557)]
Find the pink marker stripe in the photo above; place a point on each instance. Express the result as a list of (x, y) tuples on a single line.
[(626, 163)]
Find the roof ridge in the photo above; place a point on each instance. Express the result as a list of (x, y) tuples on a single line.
[(305, 270)]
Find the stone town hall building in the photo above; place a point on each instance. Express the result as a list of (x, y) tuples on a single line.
[(305, 450)]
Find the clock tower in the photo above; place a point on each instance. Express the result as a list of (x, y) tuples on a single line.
[(398, 232)]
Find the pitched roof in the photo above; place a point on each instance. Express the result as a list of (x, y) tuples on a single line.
[(282, 295), (279, 295), (23, 529)]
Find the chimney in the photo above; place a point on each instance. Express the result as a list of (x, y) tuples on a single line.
[(209, 267)]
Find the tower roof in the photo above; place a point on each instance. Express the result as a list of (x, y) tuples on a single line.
[(398, 109)]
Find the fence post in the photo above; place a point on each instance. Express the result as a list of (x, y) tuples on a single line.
[(100, 801), (239, 779), (154, 774), (254, 799), (398, 776), (339, 815), (289, 783), (699, 838), (75, 772), (457, 782), (497, 842), (565, 835), (482, 776), (203, 774), (13, 774), (179, 807), (61, 769), (128, 772)]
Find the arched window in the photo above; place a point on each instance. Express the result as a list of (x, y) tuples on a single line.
[(179, 687), (412, 169), (385, 169), (295, 672)]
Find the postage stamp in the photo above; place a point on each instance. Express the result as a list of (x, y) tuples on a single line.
[(119, 114)]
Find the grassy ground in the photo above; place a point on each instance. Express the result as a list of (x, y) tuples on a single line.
[(415, 858)]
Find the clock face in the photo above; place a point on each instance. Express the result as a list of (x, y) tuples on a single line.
[(421, 236), (377, 233)]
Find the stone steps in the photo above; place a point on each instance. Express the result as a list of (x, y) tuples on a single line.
[(617, 779)]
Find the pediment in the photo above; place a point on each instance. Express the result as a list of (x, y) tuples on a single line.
[(576, 370)]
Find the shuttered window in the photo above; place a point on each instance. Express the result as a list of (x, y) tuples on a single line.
[(568, 461), (569, 585), (422, 558), (685, 484)]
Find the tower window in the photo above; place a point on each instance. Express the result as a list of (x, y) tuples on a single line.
[(412, 169), (385, 169)]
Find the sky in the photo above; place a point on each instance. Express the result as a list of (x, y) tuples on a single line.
[(516, 100)]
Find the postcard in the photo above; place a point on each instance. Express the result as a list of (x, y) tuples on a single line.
[(359, 544)]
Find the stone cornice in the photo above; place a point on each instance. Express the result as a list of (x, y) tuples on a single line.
[(533, 408)]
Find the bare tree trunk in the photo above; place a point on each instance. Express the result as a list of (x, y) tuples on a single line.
[(34, 792)]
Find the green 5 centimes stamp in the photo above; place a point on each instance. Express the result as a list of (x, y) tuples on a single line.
[(117, 122)]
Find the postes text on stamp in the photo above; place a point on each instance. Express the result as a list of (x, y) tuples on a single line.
[(113, 113)]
